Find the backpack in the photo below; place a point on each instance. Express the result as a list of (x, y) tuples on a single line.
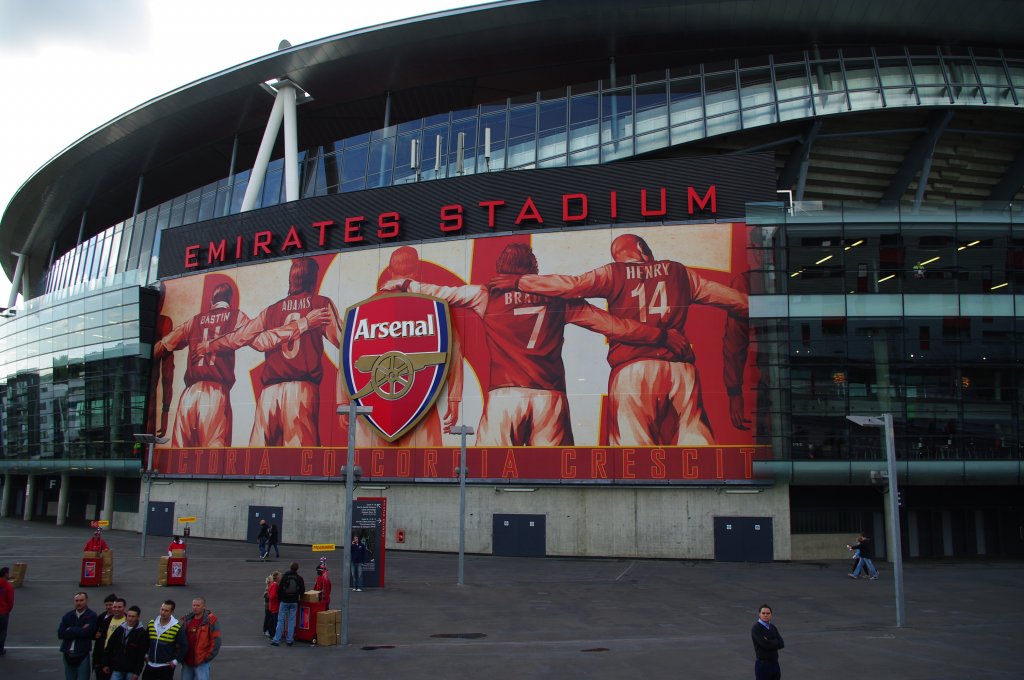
[(289, 588)]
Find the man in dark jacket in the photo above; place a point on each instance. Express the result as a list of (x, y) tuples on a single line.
[(289, 592), (125, 653), (76, 631), (767, 643), (863, 544), (262, 537), (108, 621)]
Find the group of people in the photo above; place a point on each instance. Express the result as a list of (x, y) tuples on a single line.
[(116, 645), (268, 538)]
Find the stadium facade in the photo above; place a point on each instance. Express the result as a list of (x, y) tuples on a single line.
[(654, 254)]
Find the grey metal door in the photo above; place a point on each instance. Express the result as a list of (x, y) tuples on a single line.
[(161, 519), (519, 535), (744, 539)]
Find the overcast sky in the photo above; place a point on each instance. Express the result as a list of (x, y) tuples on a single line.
[(72, 65)]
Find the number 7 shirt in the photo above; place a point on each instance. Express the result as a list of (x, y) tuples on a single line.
[(525, 332)]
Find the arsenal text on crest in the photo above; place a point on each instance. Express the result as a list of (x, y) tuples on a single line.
[(396, 329)]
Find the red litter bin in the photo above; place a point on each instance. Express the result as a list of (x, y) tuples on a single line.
[(92, 571), (305, 620), (177, 571)]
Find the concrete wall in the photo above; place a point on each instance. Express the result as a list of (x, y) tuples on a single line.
[(655, 522), (821, 546)]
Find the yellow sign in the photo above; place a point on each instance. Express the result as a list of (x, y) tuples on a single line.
[(323, 547), (185, 520), (102, 523)]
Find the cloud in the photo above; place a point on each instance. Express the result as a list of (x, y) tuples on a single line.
[(30, 25)]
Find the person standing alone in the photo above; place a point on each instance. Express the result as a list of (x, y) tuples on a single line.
[(767, 643), (358, 559)]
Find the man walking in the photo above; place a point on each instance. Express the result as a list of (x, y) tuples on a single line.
[(263, 537), (125, 653), (166, 645), (76, 631), (202, 630), (863, 545), (6, 605), (289, 591)]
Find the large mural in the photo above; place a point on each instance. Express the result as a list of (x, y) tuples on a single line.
[(595, 355)]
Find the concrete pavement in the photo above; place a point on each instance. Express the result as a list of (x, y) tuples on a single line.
[(548, 617)]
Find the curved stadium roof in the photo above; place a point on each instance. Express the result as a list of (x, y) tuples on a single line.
[(435, 63)]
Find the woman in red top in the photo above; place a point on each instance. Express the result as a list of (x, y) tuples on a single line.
[(272, 604)]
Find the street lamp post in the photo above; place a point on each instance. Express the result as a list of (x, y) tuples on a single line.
[(352, 410), (148, 473), (896, 547), (462, 430)]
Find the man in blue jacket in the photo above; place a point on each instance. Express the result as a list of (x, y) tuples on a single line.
[(76, 632)]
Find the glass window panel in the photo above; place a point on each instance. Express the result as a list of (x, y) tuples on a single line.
[(895, 73), (115, 247), (795, 108), (817, 305), (993, 78), (685, 101), (585, 157), (763, 115), (382, 155), (687, 132), (721, 94), (353, 169), (756, 87), (522, 136), (791, 82), (583, 127), (192, 205), (722, 124), (273, 186), (177, 217), (553, 116), (986, 305), (651, 108), (616, 150), (874, 305), (931, 305), (652, 141), (208, 202), (617, 114)]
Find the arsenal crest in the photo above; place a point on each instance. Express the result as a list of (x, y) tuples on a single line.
[(395, 358)]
